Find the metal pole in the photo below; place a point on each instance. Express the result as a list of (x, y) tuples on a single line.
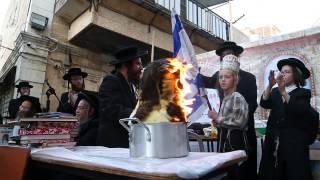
[(230, 20), (152, 44)]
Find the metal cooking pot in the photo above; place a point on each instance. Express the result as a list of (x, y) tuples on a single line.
[(156, 140)]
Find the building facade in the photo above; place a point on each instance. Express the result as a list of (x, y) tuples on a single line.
[(261, 56), (45, 38)]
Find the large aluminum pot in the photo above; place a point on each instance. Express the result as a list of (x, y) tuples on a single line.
[(156, 140)]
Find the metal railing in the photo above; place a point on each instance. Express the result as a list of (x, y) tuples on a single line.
[(199, 15), (190, 10)]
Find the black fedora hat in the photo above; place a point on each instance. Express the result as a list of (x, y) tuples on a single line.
[(91, 97), (229, 45), (296, 63), (127, 54), (74, 71), (23, 84)]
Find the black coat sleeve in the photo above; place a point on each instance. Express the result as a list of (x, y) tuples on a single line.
[(298, 103), (88, 133), (13, 108), (208, 82), (252, 91), (64, 106), (266, 103), (110, 98), (37, 105)]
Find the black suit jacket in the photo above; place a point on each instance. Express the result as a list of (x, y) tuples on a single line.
[(66, 107), (14, 105), (286, 121), (286, 115), (116, 100), (88, 133)]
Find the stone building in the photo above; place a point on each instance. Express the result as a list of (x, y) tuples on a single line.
[(48, 37), (261, 56)]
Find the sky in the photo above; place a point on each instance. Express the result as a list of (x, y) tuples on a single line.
[(287, 15)]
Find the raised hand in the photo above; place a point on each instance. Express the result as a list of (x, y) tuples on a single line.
[(281, 83), (272, 80), (213, 115)]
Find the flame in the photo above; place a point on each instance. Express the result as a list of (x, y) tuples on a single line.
[(181, 87)]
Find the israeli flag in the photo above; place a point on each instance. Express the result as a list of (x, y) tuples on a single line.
[(184, 52)]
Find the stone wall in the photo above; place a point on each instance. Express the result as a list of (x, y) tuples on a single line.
[(67, 56)]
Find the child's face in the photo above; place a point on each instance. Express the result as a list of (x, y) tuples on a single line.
[(226, 79), (287, 73)]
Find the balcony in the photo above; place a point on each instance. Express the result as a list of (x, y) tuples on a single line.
[(112, 23), (199, 15), (70, 9)]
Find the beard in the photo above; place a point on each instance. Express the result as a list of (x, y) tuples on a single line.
[(134, 76), (77, 87)]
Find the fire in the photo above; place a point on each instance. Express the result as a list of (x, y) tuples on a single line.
[(182, 89), (165, 94)]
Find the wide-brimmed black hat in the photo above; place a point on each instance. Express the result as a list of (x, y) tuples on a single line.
[(91, 97), (127, 54), (28, 98), (74, 71), (296, 63), (229, 45), (23, 84)]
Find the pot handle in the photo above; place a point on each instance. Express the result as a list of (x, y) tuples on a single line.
[(122, 122)]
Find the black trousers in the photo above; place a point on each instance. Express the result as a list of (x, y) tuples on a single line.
[(236, 141)]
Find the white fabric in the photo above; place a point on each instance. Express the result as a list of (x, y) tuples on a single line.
[(195, 165), (230, 62), (290, 88)]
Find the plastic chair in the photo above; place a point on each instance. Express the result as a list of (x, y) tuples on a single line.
[(195, 136), (13, 160)]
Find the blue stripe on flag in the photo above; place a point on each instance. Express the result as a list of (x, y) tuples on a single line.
[(176, 36), (183, 48), (196, 104)]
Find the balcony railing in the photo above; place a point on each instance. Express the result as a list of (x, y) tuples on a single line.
[(189, 10), (202, 17)]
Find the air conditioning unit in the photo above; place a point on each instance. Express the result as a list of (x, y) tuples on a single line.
[(38, 21)]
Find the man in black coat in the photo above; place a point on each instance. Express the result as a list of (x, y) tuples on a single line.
[(88, 115), (68, 100), (117, 97), (24, 90), (248, 89)]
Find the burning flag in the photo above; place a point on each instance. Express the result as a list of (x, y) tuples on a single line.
[(184, 52)]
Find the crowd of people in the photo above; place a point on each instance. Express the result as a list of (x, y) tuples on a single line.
[(285, 153)]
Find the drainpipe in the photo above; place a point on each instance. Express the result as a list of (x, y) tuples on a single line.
[(28, 16)]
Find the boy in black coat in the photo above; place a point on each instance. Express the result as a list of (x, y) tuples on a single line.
[(285, 154), (248, 89)]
